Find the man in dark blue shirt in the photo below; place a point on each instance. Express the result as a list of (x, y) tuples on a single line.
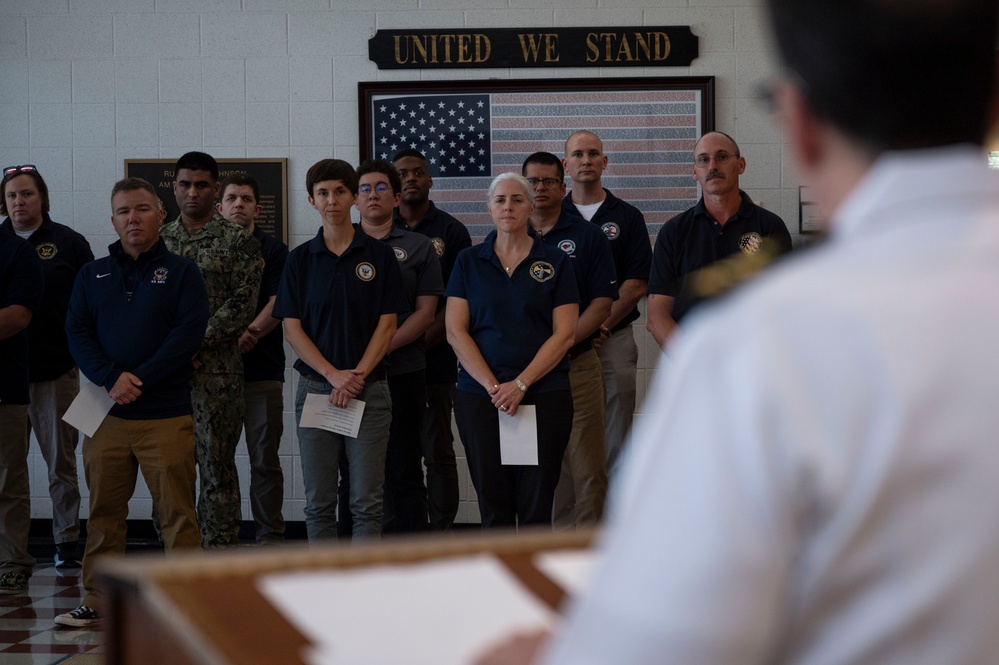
[(417, 213), (725, 222), (136, 320), (262, 346), (582, 486), (21, 285), (624, 226)]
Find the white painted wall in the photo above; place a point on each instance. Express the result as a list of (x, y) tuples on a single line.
[(86, 84)]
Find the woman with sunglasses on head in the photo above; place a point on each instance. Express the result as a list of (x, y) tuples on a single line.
[(512, 311), (55, 380)]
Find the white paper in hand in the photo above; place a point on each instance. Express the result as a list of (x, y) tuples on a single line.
[(89, 409), (519, 437), (319, 413)]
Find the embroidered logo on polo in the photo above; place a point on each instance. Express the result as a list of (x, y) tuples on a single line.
[(47, 250), (365, 271), (160, 275), (611, 230), (542, 271), (438, 245), (400, 254), (750, 243), (567, 246)]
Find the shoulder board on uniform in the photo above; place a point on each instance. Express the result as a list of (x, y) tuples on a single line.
[(725, 274)]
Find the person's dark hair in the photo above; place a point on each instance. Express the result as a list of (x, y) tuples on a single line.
[(43, 189), (893, 74), (241, 180), (198, 161), (383, 167), (132, 185), (331, 169), (409, 152), (545, 158)]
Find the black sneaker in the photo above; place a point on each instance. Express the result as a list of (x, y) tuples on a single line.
[(81, 617), (13, 583), (65, 556)]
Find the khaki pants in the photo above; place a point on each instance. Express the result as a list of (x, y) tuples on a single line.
[(164, 451)]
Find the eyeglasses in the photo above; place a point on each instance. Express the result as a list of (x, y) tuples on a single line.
[(23, 168), (549, 182), (380, 188), (721, 159)]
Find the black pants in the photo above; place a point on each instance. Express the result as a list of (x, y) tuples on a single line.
[(511, 495), (405, 504), (438, 456)]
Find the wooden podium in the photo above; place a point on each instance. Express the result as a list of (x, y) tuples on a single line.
[(203, 608)]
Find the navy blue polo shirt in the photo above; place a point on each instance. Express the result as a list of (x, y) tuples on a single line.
[(63, 252), (449, 237), (590, 252), (693, 240), (21, 283), (265, 361), (339, 299), (421, 276), (147, 316), (624, 226), (510, 316)]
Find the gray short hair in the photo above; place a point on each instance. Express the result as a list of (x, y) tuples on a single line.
[(511, 175)]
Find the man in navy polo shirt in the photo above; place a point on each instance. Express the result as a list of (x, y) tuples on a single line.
[(405, 493), (262, 346), (416, 212), (136, 319), (725, 222), (21, 283), (582, 486), (55, 379), (624, 226)]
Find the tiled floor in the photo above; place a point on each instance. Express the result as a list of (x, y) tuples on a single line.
[(28, 635)]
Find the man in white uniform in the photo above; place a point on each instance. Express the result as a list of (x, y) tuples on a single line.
[(816, 480)]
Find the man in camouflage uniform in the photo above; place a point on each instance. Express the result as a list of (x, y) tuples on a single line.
[(231, 264)]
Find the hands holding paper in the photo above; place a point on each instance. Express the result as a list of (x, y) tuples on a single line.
[(347, 384), (506, 397), (126, 389)]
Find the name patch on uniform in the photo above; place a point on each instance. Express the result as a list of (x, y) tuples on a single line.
[(47, 250), (438, 245), (611, 230), (750, 243), (400, 254), (365, 271), (567, 246), (160, 275), (542, 271)]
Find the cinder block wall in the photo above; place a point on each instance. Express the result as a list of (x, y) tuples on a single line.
[(86, 84)]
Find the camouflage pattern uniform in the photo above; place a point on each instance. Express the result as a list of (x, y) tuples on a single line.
[(231, 264)]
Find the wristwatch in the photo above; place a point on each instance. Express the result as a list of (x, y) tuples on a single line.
[(521, 385)]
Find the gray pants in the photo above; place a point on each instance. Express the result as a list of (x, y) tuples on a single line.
[(619, 359), (264, 425), (57, 441)]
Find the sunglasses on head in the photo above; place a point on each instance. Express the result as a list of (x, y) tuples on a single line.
[(20, 169)]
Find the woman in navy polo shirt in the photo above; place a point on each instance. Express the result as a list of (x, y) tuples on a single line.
[(340, 295), (511, 316)]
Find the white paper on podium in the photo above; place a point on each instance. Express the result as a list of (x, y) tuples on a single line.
[(440, 612), (570, 569), (519, 436), (319, 413), (89, 409)]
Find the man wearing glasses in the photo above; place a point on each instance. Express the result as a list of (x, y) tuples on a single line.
[(725, 222), (582, 485)]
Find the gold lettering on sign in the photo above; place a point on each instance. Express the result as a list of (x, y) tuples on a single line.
[(624, 47), (531, 46), (417, 49)]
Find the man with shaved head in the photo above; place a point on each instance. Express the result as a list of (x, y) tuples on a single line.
[(724, 223)]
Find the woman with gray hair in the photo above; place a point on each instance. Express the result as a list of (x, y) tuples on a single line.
[(511, 316)]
